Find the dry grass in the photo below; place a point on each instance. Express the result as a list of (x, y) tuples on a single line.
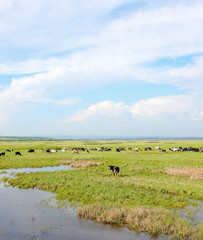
[(153, 221), (158, 171), (82, 163), (137, 169), (191, 172)]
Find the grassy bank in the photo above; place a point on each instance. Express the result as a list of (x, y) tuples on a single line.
[(156, 182), (152, 220)]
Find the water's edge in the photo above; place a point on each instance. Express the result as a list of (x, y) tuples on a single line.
[(29, 214)]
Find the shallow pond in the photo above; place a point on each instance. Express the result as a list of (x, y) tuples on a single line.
[(25, 215), (42, 169), (193, 214)]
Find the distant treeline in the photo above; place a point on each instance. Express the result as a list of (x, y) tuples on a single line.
[(89, 138), (15, 138)]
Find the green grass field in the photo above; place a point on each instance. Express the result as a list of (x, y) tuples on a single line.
[(151, 185)]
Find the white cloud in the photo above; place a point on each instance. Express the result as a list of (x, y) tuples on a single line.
[(185, 107), (188, 76), (16, 96), (50, 25), (45, 122), (180, 105), (118, 45), (103, 110), (3, 118), (58, 103), (146, 34), (25, 93), (197, 116), (121, 47), (162, 105), (104, 51)]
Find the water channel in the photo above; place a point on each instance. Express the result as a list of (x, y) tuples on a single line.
[(25, 215)]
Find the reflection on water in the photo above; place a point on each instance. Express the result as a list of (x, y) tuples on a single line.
[(24, 216), (42, 169)]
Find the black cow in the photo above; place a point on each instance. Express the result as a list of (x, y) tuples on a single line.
[(184, 149), (31, 151), (114, 169), (18, 153), (3, 153)]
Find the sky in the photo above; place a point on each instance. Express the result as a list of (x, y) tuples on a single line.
[(109, 68)]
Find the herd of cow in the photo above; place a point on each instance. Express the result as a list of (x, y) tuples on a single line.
[(17, 153), (118, 149), (114, 169)]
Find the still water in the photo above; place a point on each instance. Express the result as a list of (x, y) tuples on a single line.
[(42, 169), (25, 215)]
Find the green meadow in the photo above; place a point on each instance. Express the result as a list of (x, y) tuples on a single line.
[(146, 196)]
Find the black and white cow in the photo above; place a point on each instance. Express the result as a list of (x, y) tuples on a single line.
[(114, 169)]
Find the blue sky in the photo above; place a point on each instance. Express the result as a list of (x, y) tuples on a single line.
[(110, 68)]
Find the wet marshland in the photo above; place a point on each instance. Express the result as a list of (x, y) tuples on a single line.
[(32, 214)]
